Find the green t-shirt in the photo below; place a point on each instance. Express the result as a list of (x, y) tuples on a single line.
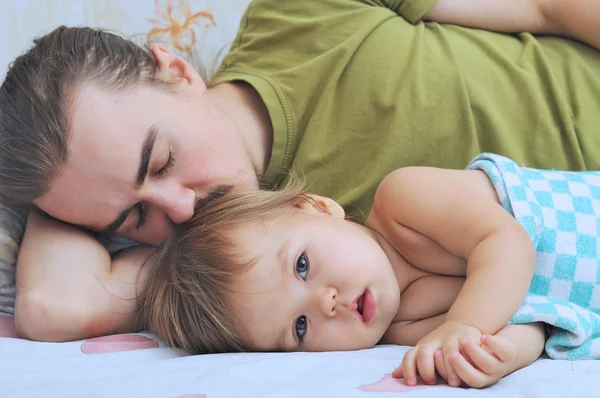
[(355, 91)]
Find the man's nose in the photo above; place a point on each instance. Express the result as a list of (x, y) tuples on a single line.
[(327, 300), (176, 201)]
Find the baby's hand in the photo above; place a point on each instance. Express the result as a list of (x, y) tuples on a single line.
[(423, 360), (487, 363)]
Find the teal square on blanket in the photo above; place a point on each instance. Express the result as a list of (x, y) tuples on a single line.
[(544, 198), (586, 246), (595, 191), (517, 193), (539, 285), (547, 243), (583, 205), (559, 186), (581, 293), (565, 221), (566, 270)]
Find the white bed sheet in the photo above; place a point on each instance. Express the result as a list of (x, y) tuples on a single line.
[(30, 369)]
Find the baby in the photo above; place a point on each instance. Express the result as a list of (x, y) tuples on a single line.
[(444, 260)]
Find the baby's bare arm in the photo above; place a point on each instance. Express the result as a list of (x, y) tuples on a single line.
[(448, 207), (459, 211), (528, 340), (409, 333)]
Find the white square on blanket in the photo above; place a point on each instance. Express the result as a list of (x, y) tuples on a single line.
[(586, 224), (566, 243), (540, 185), (595, 345), (566, 312), (560, 289), (545, 264), (525, 309), (512, 179), (586, 270), (563, 201), (553, 175), (592, 179), (549, 214), (521, 208), (582, 312), (536, 299), (579, 189), (596, 206), (595, 302)]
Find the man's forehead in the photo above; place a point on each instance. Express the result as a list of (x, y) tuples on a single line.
[(78, 198)]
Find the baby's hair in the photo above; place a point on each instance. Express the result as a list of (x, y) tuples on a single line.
[(187, 300)]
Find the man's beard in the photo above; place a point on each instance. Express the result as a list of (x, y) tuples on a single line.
[(218, 192), (215, 194)]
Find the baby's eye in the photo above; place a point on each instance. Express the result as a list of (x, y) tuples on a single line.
[(301, 326), (302, 266)]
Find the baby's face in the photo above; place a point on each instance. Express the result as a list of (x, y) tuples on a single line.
[(320, 284)]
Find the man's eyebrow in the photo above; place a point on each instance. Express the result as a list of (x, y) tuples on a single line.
[(112, 228), (146, 154)]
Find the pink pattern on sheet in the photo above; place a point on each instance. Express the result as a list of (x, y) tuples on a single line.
[(390, 384), (117, 343), (191, 396), (7, 326)]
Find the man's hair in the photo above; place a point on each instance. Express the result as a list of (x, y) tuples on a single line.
[(39, 94), (187, 300)]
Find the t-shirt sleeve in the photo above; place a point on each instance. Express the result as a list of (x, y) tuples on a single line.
[(411, 10)]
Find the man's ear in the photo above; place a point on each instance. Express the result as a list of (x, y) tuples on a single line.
[(174, 67), (322, 204)]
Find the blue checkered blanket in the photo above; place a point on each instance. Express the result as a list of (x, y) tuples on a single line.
[(561, 212)]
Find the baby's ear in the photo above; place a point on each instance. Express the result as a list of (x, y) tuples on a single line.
[(322, 204)]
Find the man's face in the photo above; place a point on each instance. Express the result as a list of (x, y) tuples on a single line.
[(140, 158)]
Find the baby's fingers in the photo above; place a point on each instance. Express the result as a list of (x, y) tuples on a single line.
[(468, 374), (499, 346), (426, 365), (440, 365), (408, 368), (483, 360), (449, 350)]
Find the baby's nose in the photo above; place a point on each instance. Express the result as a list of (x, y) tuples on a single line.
[(327, 298)]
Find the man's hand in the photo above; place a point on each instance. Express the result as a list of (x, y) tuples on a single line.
[(578, 19), (508, 16), (423, 361)]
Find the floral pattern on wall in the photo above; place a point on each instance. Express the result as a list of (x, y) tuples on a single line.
[(201, 31), (178, 22)]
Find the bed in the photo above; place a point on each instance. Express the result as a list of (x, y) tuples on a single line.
[(137, 365)]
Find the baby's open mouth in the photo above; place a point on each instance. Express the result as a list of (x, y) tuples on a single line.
[(360, 303), (363, 306)]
